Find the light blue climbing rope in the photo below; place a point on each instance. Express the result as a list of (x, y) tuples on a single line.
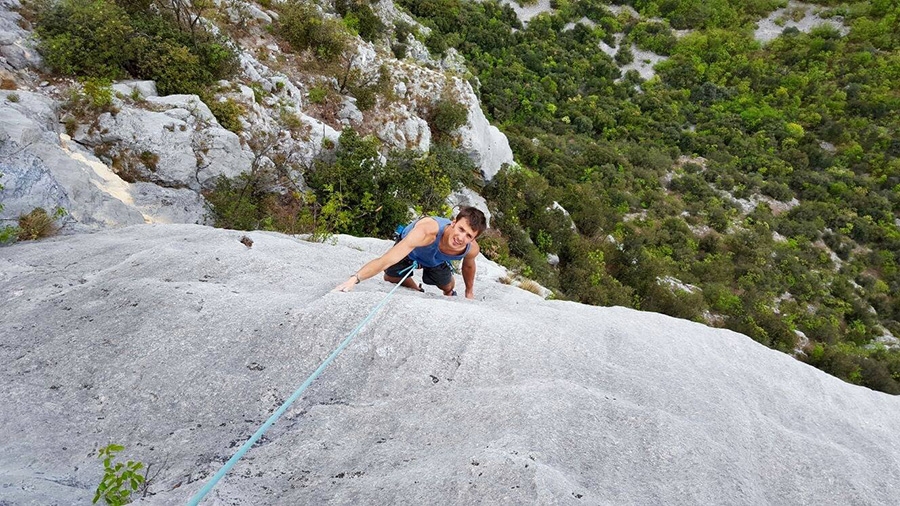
[(296, 395)]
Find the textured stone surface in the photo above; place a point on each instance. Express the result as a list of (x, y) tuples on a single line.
[(486, 145), (178, 341), (190, 147), (16, 44), (768, 30), (42, 168), (406, 130), (143, 89)]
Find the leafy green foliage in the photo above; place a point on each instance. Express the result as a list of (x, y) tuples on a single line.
[(359, 17), (304, 27), (119, 480), (653, 36), (84, 38), (227, 112), (357, 191), (800, 128), (446, 116), (363, 195), (106, 40)]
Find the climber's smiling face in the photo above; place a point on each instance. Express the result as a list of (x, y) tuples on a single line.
[(458, 235)]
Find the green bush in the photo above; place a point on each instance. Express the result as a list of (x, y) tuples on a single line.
[(100, 39), (352, 190), (304, 27), (446, 116), (359, 17), (318, 94), (119, 480), (653, 36), (86, 38), (227, 112), (98, 93), (236, 203), (624, 55), (173, 66)]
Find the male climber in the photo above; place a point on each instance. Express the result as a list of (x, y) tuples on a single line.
[(432, 242)]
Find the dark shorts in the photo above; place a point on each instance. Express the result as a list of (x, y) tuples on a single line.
[(437, 276)]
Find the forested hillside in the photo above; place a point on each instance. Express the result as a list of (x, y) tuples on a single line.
[(748, 185)]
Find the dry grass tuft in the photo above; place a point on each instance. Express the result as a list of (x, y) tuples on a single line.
[(531, 286), (36, 225)]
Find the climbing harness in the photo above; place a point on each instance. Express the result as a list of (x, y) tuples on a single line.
[(296, 395)]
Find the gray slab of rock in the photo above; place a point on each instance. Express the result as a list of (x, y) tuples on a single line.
[(27, 184), (142, 89), (16, 44), (38, 171), (169, 205), (28, 118), (349, 114), (190, 149), (178, 341), (406, 130), (190, 103)]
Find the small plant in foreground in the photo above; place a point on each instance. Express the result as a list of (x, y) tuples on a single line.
[(119, 480), (38, 224)]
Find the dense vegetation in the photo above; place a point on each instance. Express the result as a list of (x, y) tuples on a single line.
[(801, 131), (349, 192), (161, 40)]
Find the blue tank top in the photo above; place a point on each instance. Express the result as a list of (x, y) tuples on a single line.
[(431, 255)]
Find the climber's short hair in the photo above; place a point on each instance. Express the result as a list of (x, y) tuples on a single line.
[(474, 217)]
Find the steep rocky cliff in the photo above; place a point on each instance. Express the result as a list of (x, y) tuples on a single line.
[(145, 157)]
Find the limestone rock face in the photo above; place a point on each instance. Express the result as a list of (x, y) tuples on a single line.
[(406, 131), (422, 88), (139, 89), (176, 141), (43, 168), (486, 145), (263, 119), (178, 341), (16, 44)]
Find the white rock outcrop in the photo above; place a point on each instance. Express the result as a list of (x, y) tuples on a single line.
[(17, 46), (772, 26), (43, 168), (406, 130), (486, 146), (179, 133)]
